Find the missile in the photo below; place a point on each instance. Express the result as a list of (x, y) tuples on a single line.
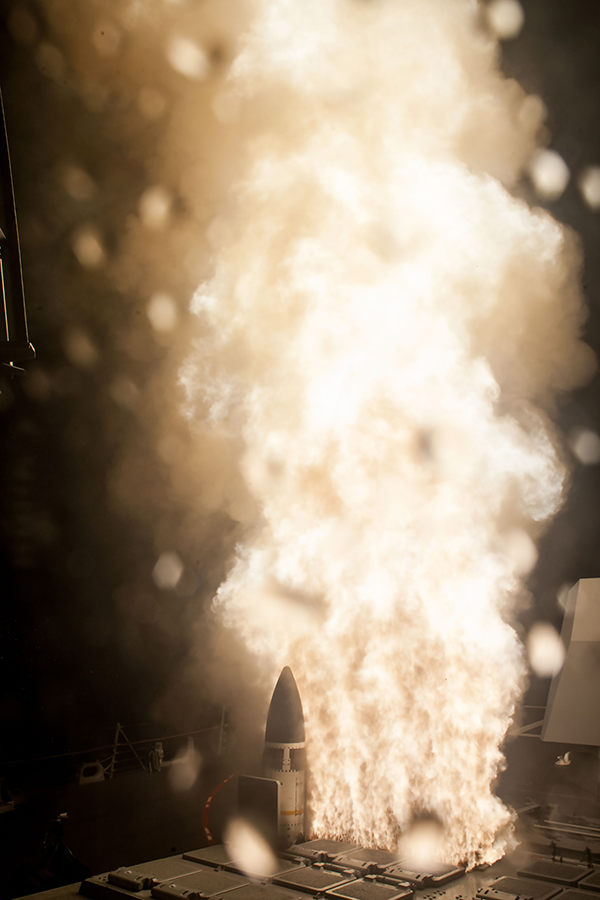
[(285, 756)]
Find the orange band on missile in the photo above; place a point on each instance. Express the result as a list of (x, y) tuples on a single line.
[(292, 812)]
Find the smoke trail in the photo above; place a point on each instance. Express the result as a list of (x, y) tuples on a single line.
[(384, 329), (373, 358)]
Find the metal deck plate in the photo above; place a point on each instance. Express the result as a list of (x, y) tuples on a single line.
[(210, 856), (281, 866), (263, 892), (556, 872), (208, 883), (573, 894), (519, 887), (161, 869), (369, 890), (591, 882), (313, 879), (446, 875), (136, 881), (364, 858), (398, 874), (441, 876), (99, 888), (313, 849)]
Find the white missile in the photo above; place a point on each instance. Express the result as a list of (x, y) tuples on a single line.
[(285, 756)]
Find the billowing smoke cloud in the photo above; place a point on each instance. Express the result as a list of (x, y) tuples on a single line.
[(382, 333), (379, 333), (120, 165)]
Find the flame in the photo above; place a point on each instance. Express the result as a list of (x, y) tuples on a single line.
[(383, 331)]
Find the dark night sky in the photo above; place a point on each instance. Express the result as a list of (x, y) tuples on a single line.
[(555, 57), (87, 638)]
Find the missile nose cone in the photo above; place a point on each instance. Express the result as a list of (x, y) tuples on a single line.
[(285, 721)]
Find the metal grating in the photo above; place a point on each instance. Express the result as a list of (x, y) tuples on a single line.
[(557, 872), (447, 874), (369, 890), (443, 875), (519, 887), (365, 857), (572, 894), (591, 882), (209, 856), (280, 866), (314, 848), (399, 874), (313, 879), (208, 883), (259, 892), (161, 869)]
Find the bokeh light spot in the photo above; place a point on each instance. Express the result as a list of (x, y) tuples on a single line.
[(532, 112), (249, 849), (80, 349), (549, 174), (585, 445), (78, 183), (50, 61), (545, 650), (519, 547), (162, 312), (589, 185), (87, 247), (167, 571), (22, 26), (421, 845), (106, 38), (187, 58), (506, 18), (184, 769), (155, 207)]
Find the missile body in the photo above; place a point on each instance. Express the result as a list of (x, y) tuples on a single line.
[(285, 756)]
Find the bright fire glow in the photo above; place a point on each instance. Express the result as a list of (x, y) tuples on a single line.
[(384, 327)]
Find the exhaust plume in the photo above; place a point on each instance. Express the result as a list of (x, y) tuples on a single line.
[(383, 335), (380, 333)]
